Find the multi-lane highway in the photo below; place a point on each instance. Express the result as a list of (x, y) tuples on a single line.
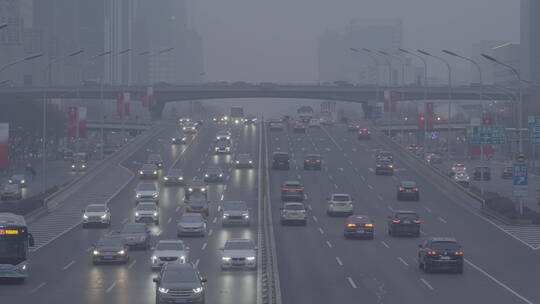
[(316, 263)]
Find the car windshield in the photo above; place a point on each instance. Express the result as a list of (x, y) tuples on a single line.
[(170, 246), (236, 245), (133, 228), (406, 216), (294, 207), (235, 206), (146, 207), (444, 246), (408, 184), (154, 157), (9, 187), (174, 172), (341, 198), (281, 156), (17, 177), (96, 208), (191, 219), (146, 187), (179, 276), (213, 170), (148, 167), (110, 242)]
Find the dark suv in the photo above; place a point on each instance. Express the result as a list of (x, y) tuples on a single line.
[(408, 190), (292, 191), (404, 223), (180, 283), (384, 167), (281, 161), (482, 172), (440, 253), (313, 161)]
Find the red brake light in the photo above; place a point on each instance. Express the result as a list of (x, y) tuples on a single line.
[(378, 166), (302, 211), (416, 189), (307, 160), (432, 252), (318, 160), (459, 252), (416, 221), (396, 221), (401, 189)]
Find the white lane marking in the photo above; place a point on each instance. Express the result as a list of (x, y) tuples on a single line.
[(403, 261), (210, 232), (177, 208), (426, 283), (353, 285), (197, 263), (427, 209), (111, 287), (199, 169), (335, 186), (218, 208), (321, 231), (214, 220), (132, 264), (309, 207), (385, 245), (370, 186), (329, 244), (169, 220), (124, 220), (204, 246), (498, 282), (330, 177), (350, 161), (338, 260), (423, 232), (315, 219), (442, 220), (222, 197), (356, 169), (390, 208), (380, 197), (362, 177), (38, 287), (68, 265), (298, 176)]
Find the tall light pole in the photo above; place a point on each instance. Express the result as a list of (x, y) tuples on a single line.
[(377, 99), (520, 103), (102, 143), (425, 78), (402, 95), (449, 96)]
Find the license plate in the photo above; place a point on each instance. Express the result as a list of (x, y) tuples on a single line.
[(108, 257), (180, 300), (445, 258), (406, 222), (408, 190)]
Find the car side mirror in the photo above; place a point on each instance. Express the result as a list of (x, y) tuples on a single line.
[(204, 280), (155, 280), (30, 240)]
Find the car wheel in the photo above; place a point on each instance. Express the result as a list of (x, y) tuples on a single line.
[(459, 269), (328, 213), (84, 225), (420, 265), (390, 233), (304, 223), (427, 268), (417, 234)]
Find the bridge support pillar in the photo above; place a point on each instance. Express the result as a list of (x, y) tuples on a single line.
[(156, 111)]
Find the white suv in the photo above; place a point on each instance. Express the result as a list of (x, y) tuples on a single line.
[(98, 214), (169, 251), (340, 204)]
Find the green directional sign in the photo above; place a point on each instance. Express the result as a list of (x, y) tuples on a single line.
[(486, 135)]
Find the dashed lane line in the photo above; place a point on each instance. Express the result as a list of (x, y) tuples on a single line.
[(214, 220), (338, 260), (427, 209), (315, 219), (68, 265), (380, 197), (177, 208), (353, 285), (443, 220), (124, 220), (204, 246), (329, 244), (197, 263), (385, 245), (370, 186), (132, 264), (321, 230), (403, 261), (169, 220), (38, 287), (111, 287), (426, 283), (210, 232), (362, 177)]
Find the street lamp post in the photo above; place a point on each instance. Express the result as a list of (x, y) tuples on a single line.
[(449, 97), (389, 64), (402, 95), (425, 78), (102, 143), (377, 99), (483, 109)]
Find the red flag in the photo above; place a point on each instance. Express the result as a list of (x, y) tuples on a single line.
[(429, 116), (127, 108), (4, 145), (72, 122), (390, 101), (144, 98), (81, 111)]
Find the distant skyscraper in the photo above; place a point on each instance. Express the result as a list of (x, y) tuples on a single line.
[(530, 40)]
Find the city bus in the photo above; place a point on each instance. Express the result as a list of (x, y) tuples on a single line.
[(14, 242)]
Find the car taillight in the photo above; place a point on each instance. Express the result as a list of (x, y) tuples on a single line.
[(332, 204), (391, 166), (302, 211), (349, 203), (285, 211), (351, 225), (459, 252), (416, 221), (378, 166), (416, 189), (306, 161), (396, 221), (431, 252), (318, 161), (401, 189), (368, 225)]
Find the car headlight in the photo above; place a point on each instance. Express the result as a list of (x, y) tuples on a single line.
[(180, 178), (190, 189), (122, 252), (246, 215), (217, 137), (227, 149), (72, 166), (197, 290), (10, 181), (96, 252), (228, 137), (226, 258), (24, 266), (103, 216), (206, 175), (155, 195), (251, 258), (155, 172), (140, 172), (237, 121), (225, 215), (237, 162), (23, 181), (137, 195), (154, 258), (203, 189), (250, 162), (85, 216), (84, 166), (183, 259), (136, 213), (166, 178), (183, 138), (163, 290), (220, 175), (155, 213)]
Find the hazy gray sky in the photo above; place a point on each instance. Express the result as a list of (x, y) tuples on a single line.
[(276, 40)]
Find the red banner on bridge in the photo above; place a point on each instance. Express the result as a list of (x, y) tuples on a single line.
[(4, 145), (429, 116), (81, 117), (72, 123), (390, 101)]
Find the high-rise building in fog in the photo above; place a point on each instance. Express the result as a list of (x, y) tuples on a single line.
[(338, 62), (530, 40)]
